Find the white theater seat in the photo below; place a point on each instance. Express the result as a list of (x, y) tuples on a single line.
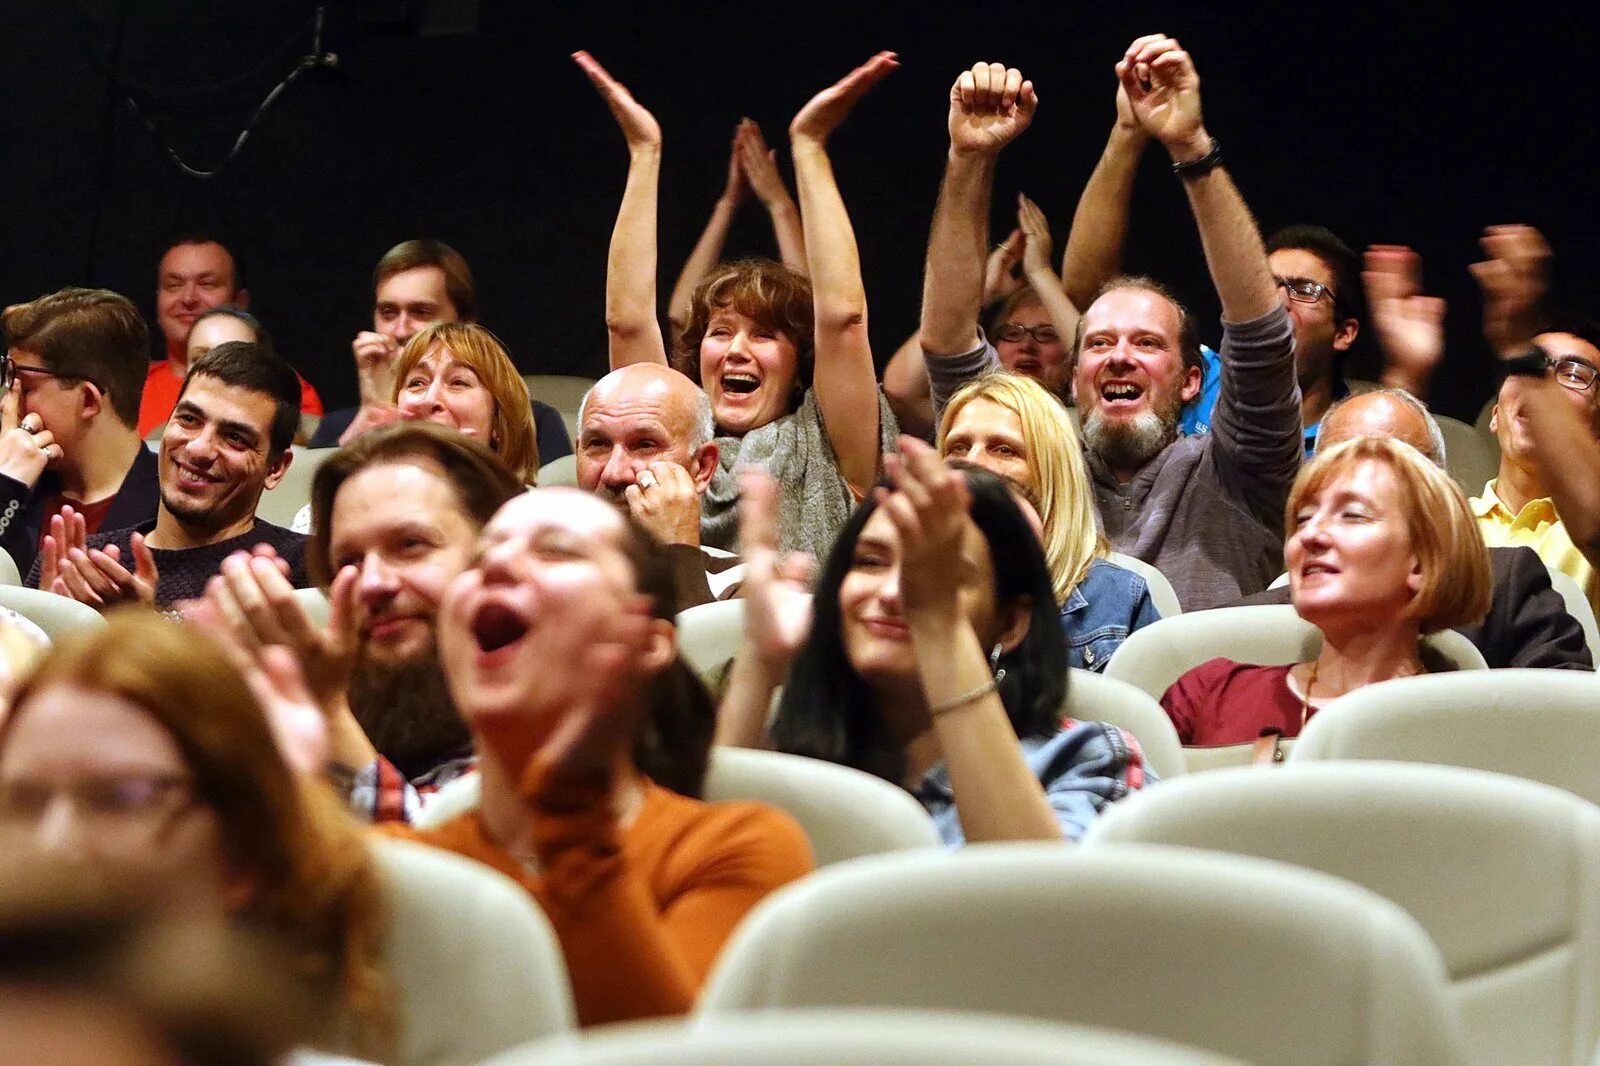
[(280, 504), (857, 1038), (559, 473), (1161, 591), (1579, 607), (1543, 725), (1243, 957), (1091, 697), (564, 392), (58, 616), (1503, 874), (709, 636)]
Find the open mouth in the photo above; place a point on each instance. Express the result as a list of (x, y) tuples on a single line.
[(192, 478), (497, 626), (1313, 569), (1113, 392), (740, 384), (1031, 367)]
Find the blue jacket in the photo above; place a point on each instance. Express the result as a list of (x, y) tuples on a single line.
[(1107, 605)]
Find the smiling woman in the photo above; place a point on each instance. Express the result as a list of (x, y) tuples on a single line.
[(1382, 549)]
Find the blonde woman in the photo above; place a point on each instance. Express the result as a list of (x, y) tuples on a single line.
[(1382, 550), (1011, 425)]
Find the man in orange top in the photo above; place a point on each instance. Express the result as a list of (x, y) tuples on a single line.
[(196, 274)]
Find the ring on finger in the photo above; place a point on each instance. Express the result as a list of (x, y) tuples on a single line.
[(646, 480)]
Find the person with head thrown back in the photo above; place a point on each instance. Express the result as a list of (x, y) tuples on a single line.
[(931, 656), (1200, 509), (226, 443), (138, 756), (1382, 550), (593, 739), (786, 361), (1009, 424)]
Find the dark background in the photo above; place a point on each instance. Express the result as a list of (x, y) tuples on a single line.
[(1402, 124)]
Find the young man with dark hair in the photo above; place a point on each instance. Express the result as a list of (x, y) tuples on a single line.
[(197, 272), (74, 366), (417, 283), (226, 442)]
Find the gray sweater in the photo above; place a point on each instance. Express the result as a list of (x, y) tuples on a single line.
[(1206, 511)]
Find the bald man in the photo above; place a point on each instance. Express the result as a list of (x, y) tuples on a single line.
[(645, 442), (1527, 623)]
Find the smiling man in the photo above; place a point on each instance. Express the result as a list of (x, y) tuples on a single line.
[(226, 442)]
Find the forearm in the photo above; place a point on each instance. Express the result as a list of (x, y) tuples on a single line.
[(997, 795), (1063, 314), (1093, 255), (905, 384), (1568, 456), (746, 701), (952, 287), (705, 255), (789, 233), (1234, 251), (631, 324)]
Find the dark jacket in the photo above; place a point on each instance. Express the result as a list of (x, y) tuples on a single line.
[(1527, 623), (22, 516)]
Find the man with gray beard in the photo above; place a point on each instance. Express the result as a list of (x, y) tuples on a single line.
[(1206, 511)]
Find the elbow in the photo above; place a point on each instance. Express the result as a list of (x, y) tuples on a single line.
[(844, 316)]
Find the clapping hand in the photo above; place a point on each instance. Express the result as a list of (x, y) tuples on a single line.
[(929, 508), (94, 576), (824, 112), (1036, 231), (639, 126), (1513, 280), (1409, 325), (777, 590)]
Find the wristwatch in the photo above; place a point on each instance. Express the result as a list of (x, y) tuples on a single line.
[(1194, 168), (1530, 363)]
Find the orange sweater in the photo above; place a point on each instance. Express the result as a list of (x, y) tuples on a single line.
[(642, 913)]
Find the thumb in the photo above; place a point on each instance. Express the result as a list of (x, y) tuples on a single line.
[(343, 614)]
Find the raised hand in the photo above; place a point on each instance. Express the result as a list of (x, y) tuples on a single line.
[(777, 591), (26, 447), (735, 188), (760, 165), (639, 126), (824, 112), (1409, 325), (1000, 278), (1163, 91), (1036, 229), (929, 508), (1513, 279), (989, 106), (664, 500), (97, 576), (375, 356)]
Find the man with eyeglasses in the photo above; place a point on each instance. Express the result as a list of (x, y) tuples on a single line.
[(72, 374)]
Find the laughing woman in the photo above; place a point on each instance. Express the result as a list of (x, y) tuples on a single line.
[(786, 361)]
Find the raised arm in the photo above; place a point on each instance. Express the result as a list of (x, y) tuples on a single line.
[(1163, 89), (761, 170), (708, 249), (1036, 265), (844, 378), (1093, 255), (631, 323), (989, 105)]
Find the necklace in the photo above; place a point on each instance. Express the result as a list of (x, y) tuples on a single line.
[(1305, 695)]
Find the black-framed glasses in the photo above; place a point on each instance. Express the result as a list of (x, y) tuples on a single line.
[(1014, 333), (10, 368), (1306, 291), (1575, 374)]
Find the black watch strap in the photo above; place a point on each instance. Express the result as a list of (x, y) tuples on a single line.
[(1194, 168)]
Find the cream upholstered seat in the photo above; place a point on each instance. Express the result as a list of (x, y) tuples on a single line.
[(1105, 699), (558, 473), (281, 503), (709, 636), (1271, 635), (857, 1038), (9, 574), (1161, 591), (564, 392), (845, 813), (476, 963), (1258, 960), (315, 604), (1470, 457), (1543, 725), (1579, 607), (1503, 874), (58, 616)]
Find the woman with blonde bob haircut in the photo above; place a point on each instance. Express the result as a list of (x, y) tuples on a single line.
[(1011, 425), (137, 752), (1382, 550)]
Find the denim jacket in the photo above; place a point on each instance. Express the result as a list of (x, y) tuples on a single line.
[(1100, 612)]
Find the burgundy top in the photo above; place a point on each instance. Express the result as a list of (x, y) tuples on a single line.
[(1224, 702)]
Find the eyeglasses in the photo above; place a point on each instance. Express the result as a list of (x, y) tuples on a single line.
[(1575, 374), (1014, 333), (10, 368), (124, 810), (1306, 291)]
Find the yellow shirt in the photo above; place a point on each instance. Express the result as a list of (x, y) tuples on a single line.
[(1536, 526)]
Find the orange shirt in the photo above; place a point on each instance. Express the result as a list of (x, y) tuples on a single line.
[(641, 913), (160, 396)]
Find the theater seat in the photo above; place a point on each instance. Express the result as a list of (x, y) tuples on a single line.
[(564, 392), (9, 574), (709, 636), (1503, 874), (477, 966), (1243, 957), (1543, 725), (279, 505), (1269, 635), (58, 616), (1161, 593), (1579, 607), (1105, 699), (1470, 458), (858, 1038)]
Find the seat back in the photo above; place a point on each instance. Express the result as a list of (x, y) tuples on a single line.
[(1471, 458), (58, 616), (1579, 607), (315, 604), (1161, 592), (1543, 725), (1241, 957), (559, 473), (1503, 874), (1154, 657), (281, 503), (1091, 697), (477, 966), (709, 636), (9, 573), (845, 813), (564, 392), (858, 1038)]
